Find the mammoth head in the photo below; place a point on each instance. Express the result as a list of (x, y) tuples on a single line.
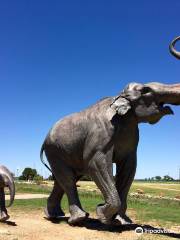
[(172, 48), (146, 101)]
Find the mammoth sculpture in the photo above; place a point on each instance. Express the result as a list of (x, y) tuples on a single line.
[(6, 180), (88, 142), (173, 50)]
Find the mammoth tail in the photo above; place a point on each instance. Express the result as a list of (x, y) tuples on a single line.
[(42, 160)]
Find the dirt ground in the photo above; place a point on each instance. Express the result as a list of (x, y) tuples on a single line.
[(33, 226), (29, 196)]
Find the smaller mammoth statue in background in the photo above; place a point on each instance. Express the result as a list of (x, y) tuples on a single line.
[(173, 50), (6, 180)]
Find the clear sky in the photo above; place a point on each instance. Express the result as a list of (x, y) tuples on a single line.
[(58, 57)]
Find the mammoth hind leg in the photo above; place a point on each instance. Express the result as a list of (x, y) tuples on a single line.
[(53, 209), (67, 179), (66, 182)]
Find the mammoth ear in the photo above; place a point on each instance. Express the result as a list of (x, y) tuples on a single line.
[(119, 106)]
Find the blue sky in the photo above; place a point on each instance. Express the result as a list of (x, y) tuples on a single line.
[(58, 57)]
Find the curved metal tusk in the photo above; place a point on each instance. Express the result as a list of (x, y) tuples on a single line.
[(172, 49)]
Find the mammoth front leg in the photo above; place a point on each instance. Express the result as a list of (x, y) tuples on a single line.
[(102, 175), (3, 212), (125, 172)]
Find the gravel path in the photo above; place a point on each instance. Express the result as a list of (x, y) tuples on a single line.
[(29, 196)]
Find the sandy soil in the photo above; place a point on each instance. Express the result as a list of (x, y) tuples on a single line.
[(33, 226)]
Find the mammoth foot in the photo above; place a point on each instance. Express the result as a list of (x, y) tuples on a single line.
[(77, 215), (3, 215), (102, 214), (54, 213)]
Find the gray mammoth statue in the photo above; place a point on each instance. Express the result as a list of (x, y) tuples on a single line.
[(173, 50), (88, 142), (6, 180)]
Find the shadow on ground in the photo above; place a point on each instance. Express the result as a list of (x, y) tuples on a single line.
[(94, 224), (10, 223)]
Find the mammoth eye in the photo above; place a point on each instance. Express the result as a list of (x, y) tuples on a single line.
[(146, 90)]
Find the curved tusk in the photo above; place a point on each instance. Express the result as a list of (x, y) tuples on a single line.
[(172, 49)]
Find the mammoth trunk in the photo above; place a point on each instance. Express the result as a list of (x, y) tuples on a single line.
[(166, 93), (6, 180), (12, 192)]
